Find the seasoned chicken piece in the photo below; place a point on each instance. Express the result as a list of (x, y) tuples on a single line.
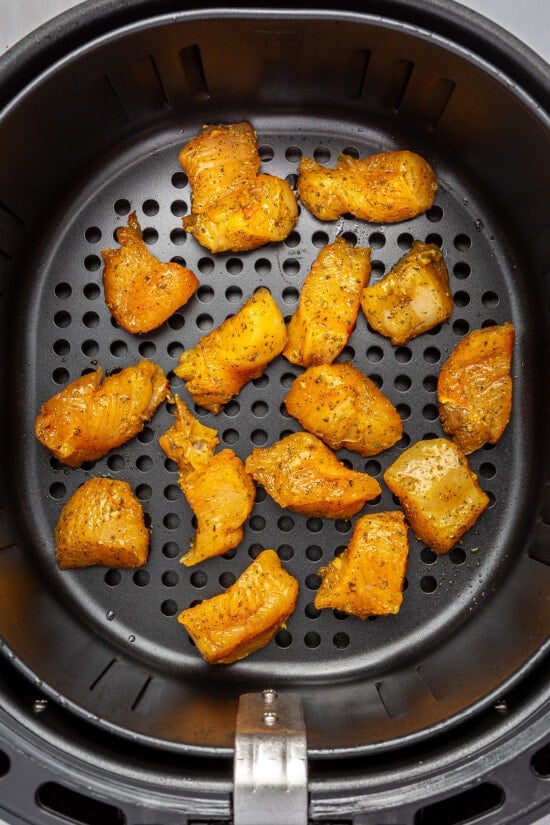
[(218, 160), (263, 211), (222, 497), (301, 473), (188, 442), (384, 188), (89, 417), (141, 291), (237, 351), (412, 298), (236, 623), (344, 408), (102, 524), (234, 207), (438, 492), (367, 578), (217, 487), (329, 302), (474, 388)]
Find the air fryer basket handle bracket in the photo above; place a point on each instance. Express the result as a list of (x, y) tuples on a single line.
[(270, 771)]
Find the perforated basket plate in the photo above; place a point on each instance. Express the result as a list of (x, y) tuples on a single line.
[(73, 332)]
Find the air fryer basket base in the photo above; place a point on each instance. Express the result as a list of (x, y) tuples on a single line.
[(107, 644), (382, 672)]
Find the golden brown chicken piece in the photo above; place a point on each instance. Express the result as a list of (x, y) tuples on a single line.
[(237, 351), (329, 302), (236, 623), (218, 160), (102, 524), (412, 298), (301, 473), (367, 578), (384, 188), (474, 388), (234, 207), (438, 492), (188, 442), (340, 405), (217, 487), (89, 417), (222, 497), (141, 291)]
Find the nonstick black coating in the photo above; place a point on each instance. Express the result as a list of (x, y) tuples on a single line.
[(108, 642)]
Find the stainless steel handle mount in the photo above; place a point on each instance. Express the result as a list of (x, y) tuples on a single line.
[(270, 771)]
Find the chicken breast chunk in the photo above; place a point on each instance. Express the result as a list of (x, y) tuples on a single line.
[(367, 578), (438, 491), (236, 623), (217, 487), (340, 405), (301, 473), (234, 207), (412, 298), (89, 417), (102, 524), (383, 188), (141, 291), (474, 388), (237, 351), (329, 303)]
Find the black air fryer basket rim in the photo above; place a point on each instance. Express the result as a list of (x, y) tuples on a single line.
[(71, 30), (35, 52)]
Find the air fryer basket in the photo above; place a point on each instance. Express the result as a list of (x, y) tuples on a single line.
[(92, 127)]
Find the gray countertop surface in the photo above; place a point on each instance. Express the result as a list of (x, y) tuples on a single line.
[(528, 20)]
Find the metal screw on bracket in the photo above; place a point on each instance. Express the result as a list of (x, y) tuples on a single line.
[(501, 707), (270, 716)]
